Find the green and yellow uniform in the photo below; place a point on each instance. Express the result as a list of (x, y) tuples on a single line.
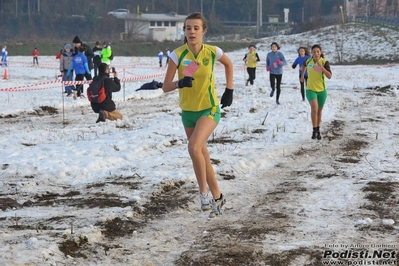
[(200, 99), (202, 95), (316, 87), (252, 59), (316, 78)]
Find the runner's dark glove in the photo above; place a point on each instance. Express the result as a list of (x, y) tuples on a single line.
[(185, 82), (227, 98)]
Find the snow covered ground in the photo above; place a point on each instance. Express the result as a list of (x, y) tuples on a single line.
[(73, 192)]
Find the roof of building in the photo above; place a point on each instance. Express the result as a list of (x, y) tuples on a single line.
[(155, 17)]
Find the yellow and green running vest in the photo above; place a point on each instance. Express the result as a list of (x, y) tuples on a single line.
[(316, 80), (202, 95), (251, 59)]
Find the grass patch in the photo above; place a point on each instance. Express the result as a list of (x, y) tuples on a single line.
[(9, 203), (334, 130), (168, 197), (119, 228), (323, 176), (222, 140), (258, 131), (8, 116), (354, 145), (352, 151), (28, 144), (227, 176), (74, 247), (242, 247), (49, 109), (215, 161), (383, 198)]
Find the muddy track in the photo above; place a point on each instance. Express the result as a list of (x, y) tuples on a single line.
[(270, 227), (272, 230)]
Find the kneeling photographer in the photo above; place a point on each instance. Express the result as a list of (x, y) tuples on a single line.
[(107, 109)]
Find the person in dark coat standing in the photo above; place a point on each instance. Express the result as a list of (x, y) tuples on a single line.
[(88, 53), (107, 109), (97, 59)]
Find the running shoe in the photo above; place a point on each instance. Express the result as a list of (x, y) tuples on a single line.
[(205, 204), (217, 206)]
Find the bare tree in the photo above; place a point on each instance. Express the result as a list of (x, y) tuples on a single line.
[(313, 8), (16, 8), (135, 28), (371, 5), (29, 19)]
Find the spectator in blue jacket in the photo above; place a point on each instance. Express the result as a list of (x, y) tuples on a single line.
[(4, 55), (160, 57), (275, 61), (303, 55), (79, 63)]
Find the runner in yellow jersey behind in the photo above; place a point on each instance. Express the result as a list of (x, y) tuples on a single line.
[(251, 59), (195, 64)]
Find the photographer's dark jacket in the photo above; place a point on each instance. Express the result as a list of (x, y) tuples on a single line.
[(111, 85)]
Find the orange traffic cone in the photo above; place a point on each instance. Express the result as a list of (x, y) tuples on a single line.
[(5, 76)]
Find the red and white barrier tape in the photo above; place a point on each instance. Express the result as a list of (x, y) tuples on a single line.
[(30, 89), (143, 77), (69, 83), (134, 65), (128, 72), (30, 85)]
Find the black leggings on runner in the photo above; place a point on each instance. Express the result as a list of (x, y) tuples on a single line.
[(303, 86), (273, 79), (251, 73), (79, 87), (81, 77)]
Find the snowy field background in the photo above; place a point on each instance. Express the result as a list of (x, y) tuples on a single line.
[(73, 192)]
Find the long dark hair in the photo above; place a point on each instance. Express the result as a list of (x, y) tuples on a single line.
[(195, 15), (276, 44), (318, 46), (306, 49)]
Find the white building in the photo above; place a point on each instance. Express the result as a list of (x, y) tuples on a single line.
[(157, 27)]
